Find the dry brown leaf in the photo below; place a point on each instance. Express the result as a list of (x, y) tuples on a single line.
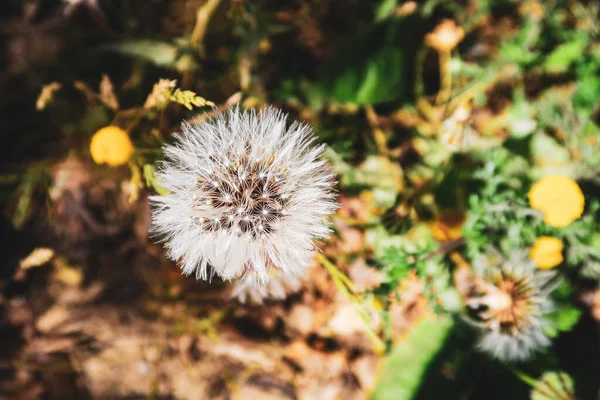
[(363, 276), (47, 95), (161, 91), (66, 273), (107, 93), (301, 319), (37, 257), (52, 319), (365, 370), (596, 306), (89, 94)]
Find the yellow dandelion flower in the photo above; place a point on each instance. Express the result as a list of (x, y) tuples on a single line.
[(111, 145), (559, 198), (546, 252), (445, 36)]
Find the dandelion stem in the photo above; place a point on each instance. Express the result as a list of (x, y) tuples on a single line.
[(521, 375), (346, 287)]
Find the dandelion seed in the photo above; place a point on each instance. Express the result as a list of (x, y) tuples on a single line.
[(221, 170), (508, 304)]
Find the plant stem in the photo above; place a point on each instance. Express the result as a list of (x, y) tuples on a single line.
[(202, 18), (445, 78), (521, 375), (346, 287)]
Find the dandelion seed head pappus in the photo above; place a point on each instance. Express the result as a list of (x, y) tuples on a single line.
[(247, 194), (509, 306), (278, 287)]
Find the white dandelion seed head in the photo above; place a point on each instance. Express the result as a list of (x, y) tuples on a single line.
[(279, 287), (509, 306), (247, 194)]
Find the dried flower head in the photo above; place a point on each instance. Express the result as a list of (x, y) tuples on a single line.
[(456, 133), (446, 36), (508, 304), (546, 252), (161, 92), (559, 198), (111, 145), (246, 195)]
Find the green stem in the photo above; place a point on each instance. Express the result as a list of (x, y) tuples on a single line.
[(346, 287), (521, 375)]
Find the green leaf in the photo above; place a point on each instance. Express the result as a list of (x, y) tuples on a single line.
[(565, 315), (562, 319), (407, 365), (32, 179), (549, 156), (563, 56), (554, 386), (587, 94), (376, 66), (149, 173), (385, 9), (517, 54), (163, 54)]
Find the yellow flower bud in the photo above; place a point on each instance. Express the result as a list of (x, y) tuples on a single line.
[(111, 145), (546, 252)]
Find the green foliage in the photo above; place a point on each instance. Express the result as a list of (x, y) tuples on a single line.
[(407, 364), (162, 54), (429, 267), (565, 314), (149, 173), (561, 58), (35, 177), (376, 67), (499, 215)]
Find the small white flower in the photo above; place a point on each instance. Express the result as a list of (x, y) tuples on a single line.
[(509, 304), (247, 194)]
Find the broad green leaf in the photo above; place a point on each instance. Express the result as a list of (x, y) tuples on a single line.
[(163, 54), (565, 315), (563, 56), (563, 319), (376, 66), (517, 54), (404, 371)]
